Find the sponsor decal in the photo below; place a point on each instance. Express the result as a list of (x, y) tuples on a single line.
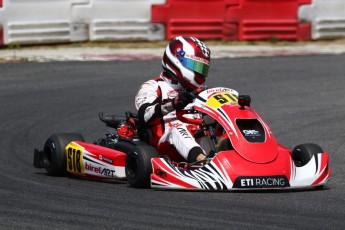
[(99, 170), (108, 172), (161, 173), (183, 132), (195, 58), (106, 159), (217, 90), (261, 182), (251, 133)]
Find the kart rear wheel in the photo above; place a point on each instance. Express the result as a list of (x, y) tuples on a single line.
[(302, 154), (138, 166), (54, 155)]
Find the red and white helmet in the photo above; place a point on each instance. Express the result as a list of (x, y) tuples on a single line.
[(187, 59)]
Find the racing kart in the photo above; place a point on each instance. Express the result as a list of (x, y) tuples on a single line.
[(243, 152)]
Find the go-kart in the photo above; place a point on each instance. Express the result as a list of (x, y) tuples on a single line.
[(243, 153)]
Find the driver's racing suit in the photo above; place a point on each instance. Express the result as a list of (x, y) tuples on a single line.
[(156, 112)]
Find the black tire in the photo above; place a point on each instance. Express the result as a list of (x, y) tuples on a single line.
[(302, 154), (54, 154), (138, 166)]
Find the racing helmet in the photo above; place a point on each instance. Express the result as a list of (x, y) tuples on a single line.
[(187, 60)]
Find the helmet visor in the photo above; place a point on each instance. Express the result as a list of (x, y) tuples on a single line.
[(194, 65)]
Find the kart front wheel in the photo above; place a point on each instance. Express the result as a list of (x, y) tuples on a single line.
[(302, 154), (54, 155), (138, 166)]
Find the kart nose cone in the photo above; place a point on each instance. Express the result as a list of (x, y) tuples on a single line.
[(260, 156)]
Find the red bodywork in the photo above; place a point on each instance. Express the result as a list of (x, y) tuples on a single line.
[(255, 160), (252, 160), (94, 161)]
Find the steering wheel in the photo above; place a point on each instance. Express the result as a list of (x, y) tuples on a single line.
[(180, 115)]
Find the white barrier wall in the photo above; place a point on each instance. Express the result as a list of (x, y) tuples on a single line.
[(48, 21), (119, 19), (40, 21), (51, 21), (326, 16)]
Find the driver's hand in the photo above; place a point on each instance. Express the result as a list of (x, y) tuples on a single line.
[(182, 100)]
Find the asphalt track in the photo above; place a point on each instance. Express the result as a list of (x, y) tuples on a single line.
[(301, 98)]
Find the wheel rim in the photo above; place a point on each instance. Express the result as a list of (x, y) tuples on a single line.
[(298, 161), (132, 167), (47, 157)]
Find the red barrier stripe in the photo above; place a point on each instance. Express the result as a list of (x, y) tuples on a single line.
[(269, 19), (1, 29), (1, 36), (304, 31), (200, 18), (232, 19)]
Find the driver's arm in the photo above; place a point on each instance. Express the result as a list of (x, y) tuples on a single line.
[(149, 105)]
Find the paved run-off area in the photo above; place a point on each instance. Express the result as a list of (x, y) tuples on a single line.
[(300, 97)]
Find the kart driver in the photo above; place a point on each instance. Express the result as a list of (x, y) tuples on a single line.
[(185, 64)]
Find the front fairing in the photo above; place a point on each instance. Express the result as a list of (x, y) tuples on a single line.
[(248, 132), (256, 161)]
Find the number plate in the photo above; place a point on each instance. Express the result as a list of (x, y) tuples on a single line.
[(74, 156), (220, 99)]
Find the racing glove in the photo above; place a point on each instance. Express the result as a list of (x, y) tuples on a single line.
[(182, 100)]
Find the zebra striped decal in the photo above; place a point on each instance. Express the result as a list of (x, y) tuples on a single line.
[(208, 177)]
